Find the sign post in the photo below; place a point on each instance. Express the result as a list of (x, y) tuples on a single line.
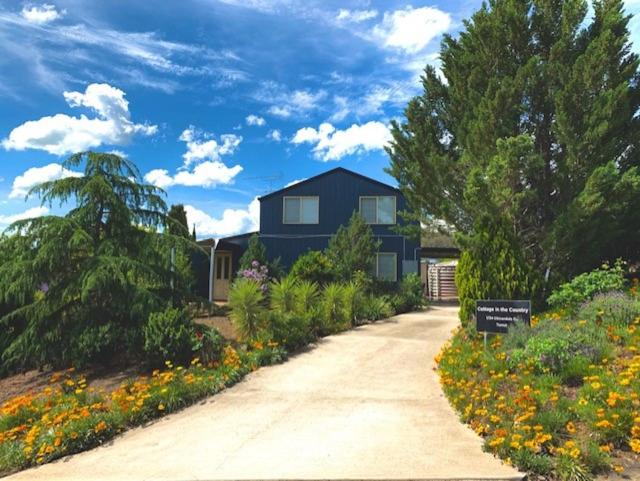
[(498, 316)]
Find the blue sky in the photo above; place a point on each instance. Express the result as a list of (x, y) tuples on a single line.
[(217, 101)]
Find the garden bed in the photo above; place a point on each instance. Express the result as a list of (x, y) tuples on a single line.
[(69, 415), (560, 401)]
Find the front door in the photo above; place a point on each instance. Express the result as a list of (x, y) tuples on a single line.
[(222, 276)]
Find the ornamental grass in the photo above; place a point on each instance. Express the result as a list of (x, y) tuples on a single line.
[(563, 415), (69, 416)]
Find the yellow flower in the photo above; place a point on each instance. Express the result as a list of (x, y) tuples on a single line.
[(604, 424), (582, 402), (634, 444), (571, 428), (617, 468), (596, 385), (101, 426), (160, 407)]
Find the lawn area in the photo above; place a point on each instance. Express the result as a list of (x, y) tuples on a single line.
[(560, 399)]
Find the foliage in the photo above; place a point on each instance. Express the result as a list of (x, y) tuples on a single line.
[(354, 300), (168, 336), (208, 344), (559, 399), (306, 296), (333, 316), (283, 295), (611, 309), (313, 266), (410, 294), (70, 417), (547, 153), (82, 286), (177, 221), (256, 252), (289, 330), (585, 286), (491, 267), (352, 249), (377, 307), (245, 301)]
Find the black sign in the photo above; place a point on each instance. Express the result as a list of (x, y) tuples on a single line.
[(498, 316)]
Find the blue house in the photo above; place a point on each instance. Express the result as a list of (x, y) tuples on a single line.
[(305, 215)]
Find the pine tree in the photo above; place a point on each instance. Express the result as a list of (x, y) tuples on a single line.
[(82, 285), (177, 221), (352, 248), (535, 130)]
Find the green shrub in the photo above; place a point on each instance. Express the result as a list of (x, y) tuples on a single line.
[(354, 303), (168, 336), (334, 315), (246, 303), (410, 294), (289, 330), (377, 307), (306, 296), (492, 267), (282, 294), (612, 308), (313, 266), (585, 286), (208, 344)]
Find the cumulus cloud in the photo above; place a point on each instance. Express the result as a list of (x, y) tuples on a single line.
[(332, 144), (409, 29), (62, 134), (37, 175), (232, 221), (206, 174), (40, 15), (356, 16), (201, 147), (275, 135), (27, 214), (205, 152), (255, 120), (294, 182)]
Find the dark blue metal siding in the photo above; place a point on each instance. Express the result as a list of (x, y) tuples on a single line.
[(339, 193)]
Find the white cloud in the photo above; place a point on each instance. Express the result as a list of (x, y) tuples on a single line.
[(255, 120), (356, 16), (286, 103), (38, 175), (41, 15), (62, 134), (233, 221), (411, 29), (209, 170), (275, 135), (206, 174), (199, 148), (27, 214), (332, 144)]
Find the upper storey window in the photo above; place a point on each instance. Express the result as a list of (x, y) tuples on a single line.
[(378, 209), (300, 210)]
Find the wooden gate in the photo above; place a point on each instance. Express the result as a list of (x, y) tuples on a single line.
[(440, 282)]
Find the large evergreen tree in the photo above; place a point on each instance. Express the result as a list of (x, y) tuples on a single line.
[(81, 286), (530, 134)]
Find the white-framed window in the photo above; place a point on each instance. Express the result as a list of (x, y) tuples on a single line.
[(380, 209), (386, 266), (300, 210)]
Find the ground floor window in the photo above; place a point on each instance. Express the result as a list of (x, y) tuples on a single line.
[(386, 266)]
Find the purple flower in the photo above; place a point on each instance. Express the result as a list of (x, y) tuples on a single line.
[(44, 287)]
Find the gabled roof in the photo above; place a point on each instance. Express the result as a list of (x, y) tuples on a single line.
[(329, 172)]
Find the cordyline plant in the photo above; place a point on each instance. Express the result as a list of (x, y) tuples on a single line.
[(79, 287)]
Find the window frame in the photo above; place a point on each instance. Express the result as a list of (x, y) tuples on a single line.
[(395, 264), (300, 198), (377, 197)]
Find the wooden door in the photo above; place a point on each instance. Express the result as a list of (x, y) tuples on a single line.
[(222, 276)]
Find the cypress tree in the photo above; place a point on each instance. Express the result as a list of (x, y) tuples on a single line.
[(532, 131)]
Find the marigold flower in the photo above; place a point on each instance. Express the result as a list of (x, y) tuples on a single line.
[(571, 428)]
